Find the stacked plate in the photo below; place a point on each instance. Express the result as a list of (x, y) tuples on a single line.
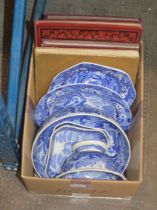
[(83, 118)]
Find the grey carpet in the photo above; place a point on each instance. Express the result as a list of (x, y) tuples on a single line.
[(13, 195)]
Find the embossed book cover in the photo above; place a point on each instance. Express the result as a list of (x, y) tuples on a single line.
[(98, 32)]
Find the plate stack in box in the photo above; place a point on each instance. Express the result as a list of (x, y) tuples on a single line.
[(82, 122)]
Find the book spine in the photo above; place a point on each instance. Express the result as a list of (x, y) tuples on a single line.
[(91, 18)]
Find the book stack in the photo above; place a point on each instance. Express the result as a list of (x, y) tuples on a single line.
[(88, 32), (110, 41)]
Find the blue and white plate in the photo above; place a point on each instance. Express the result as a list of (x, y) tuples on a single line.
[(92, 174), (119, 140), (83, 98), (95, 74)]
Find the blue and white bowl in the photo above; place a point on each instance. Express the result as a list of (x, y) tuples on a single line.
[(118, 141), (67, 139), (95, 74), (83, 98), (96, 174), (94, 146), (90, 160)]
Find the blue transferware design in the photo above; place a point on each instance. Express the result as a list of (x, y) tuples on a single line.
[(90, 147), (119, 140), (92, 174), (63, 140), (95, 74), (91, 160), (83, 98)]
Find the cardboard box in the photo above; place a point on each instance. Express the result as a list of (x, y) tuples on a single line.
[(45, 64)]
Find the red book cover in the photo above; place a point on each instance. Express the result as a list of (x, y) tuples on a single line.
[(79, 30)]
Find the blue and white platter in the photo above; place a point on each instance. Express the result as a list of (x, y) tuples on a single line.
[(95, 74), (83, 98), (118, 140)]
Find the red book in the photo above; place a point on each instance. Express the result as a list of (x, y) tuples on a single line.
[(48, 31)]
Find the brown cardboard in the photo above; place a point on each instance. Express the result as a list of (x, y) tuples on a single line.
[(54, 60), (94, 188)]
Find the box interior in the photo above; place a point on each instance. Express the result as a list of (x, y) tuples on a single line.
[(45, 64)]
